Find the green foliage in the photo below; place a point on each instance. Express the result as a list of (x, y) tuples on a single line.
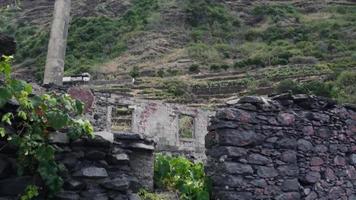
[(312, 87), (145, 195), (178, 173), (209, 13), (186, 126), (135, 72), (215, 67), (176, 88), (225, 67), (194, 68), (36, 118), (204, 53), (91, 40), (94, 40), (160, 73), (276, 12), (30, 193), (345, 89)]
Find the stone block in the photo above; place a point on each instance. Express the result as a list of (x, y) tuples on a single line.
[(91, 172), (237, 168)]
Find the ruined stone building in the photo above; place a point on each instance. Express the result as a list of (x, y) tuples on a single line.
[(176, 128)]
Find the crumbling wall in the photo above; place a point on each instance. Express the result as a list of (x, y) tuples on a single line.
[(287, 147), (156, 119), (111, 166)]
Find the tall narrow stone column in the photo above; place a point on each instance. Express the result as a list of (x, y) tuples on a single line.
[(57, 43)]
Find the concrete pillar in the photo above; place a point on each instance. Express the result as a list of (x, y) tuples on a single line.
[(57, 43)]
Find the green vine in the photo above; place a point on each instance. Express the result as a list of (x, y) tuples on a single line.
[(36, 118)]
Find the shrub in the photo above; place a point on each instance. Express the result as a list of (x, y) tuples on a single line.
[(203, 53), (345, 89), (135, 72), (194, 68), (215, 67), (180, 174), (205, 12), (318, 88), (173, 72), (256, 62), (176, 88), (276, 12), (289, 86), (160, 73), (225, 67), (145, 195), (303, 60)]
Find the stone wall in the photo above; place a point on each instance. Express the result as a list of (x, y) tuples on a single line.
[(7, 45), (285, 147), (111, 166)]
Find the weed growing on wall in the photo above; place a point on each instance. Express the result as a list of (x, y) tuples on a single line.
[(35, 119), (179, 173)]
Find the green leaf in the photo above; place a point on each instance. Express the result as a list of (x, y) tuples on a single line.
[(2, 132), (57, 120), (22, 115), (79, 106), (5, 96), (7, 118)]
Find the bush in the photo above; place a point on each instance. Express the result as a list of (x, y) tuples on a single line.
[(194, 68), (225, 67), (215, 67), (173, 72), (256, 62), (276, 12), (176, 88), (135, 72), (303, 60), (318, 88), (203, 53), (345, 87), (180, 174), (289, 86), (160, 73), (205, 12), (145, 195)]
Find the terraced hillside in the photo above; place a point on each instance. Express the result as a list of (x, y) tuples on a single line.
[(197, 51)]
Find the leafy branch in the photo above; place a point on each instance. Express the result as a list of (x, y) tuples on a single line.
[(35, 119)]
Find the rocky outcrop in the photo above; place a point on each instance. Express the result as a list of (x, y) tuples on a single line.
[(7, 45), (284, 147), (111, 166)]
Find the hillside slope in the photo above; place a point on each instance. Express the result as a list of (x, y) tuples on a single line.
[(197, 51)]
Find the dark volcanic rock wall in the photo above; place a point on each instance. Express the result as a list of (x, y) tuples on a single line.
[(287, 147), (109, 167), (7, 45)]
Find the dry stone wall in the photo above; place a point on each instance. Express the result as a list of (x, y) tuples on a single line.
[(109, 167), (284, 148)]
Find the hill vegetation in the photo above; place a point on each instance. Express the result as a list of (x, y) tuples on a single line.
[(203, 51)]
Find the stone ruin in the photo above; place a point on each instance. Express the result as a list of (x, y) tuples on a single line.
[(286, 147), (283, 148), (162, 121)]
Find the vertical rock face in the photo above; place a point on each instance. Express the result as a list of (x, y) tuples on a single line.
[(7, 45), (267, 149), (57, 44)]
